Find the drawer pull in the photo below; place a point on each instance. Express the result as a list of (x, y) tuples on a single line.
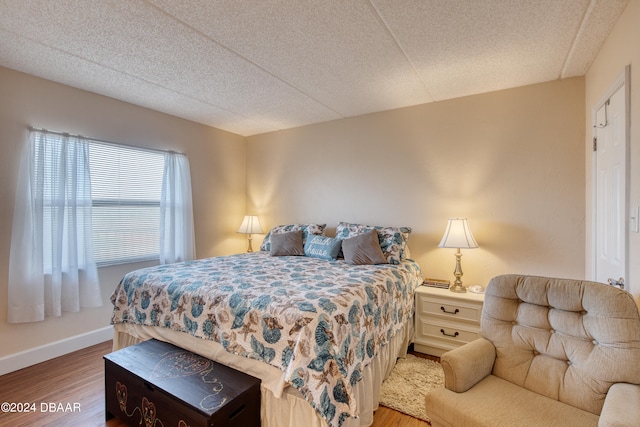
[(449, 335), (148, 386), (456, 311)]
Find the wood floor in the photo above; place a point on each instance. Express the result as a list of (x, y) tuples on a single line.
[(69, 391)]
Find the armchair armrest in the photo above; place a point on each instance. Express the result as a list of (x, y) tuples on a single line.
[(465, 366), (621, 406)]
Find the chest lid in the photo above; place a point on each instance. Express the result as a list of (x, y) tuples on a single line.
[(199, 382)]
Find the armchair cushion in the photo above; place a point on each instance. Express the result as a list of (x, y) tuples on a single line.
[(495, 402)]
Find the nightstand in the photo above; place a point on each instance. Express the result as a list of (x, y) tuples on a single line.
[(445, 320)]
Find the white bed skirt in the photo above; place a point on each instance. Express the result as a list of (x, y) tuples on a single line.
[(282, 406)]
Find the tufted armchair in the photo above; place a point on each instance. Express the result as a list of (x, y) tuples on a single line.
[(553, 352)]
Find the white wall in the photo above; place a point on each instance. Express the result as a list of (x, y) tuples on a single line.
[(511, 161)]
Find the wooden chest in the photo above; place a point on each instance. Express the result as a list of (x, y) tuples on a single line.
[(155, 384)]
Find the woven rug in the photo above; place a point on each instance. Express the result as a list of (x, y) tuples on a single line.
[(408, 384)]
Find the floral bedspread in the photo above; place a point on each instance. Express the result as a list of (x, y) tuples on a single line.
[(320, 322)]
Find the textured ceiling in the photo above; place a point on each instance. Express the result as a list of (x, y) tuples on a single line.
[(255, 66)]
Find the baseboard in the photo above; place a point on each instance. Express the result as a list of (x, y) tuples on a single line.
[(23, 359)]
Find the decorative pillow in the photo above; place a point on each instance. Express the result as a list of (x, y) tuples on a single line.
[(393, 240), (287, 244), (322, 247), (363, 249), (307, 229)]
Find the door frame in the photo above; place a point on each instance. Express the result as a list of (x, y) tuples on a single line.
[(622, 79)]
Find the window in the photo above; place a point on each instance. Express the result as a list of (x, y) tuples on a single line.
[(126, 186), (82, 202)]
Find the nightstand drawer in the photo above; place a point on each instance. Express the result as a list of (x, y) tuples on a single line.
[(453, 333), (448, 308), (445, 320)]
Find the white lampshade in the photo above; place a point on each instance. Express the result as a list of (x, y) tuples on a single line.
[(250, 225), (458, 235)]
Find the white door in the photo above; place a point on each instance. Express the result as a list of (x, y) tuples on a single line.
[(611, 188)]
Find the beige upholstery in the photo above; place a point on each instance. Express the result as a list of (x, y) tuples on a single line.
[(552, 351)]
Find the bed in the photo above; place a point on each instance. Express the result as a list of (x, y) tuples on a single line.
[(321, 334)]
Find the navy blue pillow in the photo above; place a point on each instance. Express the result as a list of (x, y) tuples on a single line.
[(322, 247)]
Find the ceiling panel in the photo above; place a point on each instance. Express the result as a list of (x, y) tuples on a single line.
[(55, 65), (255, 66), (597, 23), (337, 52), (468, 46)]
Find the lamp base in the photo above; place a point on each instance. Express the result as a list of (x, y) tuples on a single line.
[(457, 285), (457, 288)]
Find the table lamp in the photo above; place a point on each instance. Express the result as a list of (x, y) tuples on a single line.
[(458, 235), (250, 225)]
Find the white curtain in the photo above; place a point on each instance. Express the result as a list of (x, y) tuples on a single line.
[(177, 239), (51, 264)]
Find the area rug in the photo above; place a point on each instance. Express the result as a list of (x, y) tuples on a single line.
[(408, 384)]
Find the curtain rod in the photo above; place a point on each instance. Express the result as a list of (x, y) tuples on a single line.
[(102, 141)]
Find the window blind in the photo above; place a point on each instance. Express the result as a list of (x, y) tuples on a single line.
[(126, 184)]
